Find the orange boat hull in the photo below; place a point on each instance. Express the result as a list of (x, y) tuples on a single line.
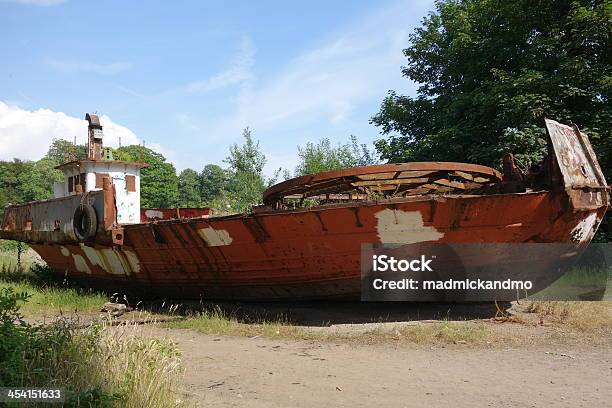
[(309, 253), (278, 253)]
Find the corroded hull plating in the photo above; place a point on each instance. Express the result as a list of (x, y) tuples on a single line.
[(306, 254), (315, 252)]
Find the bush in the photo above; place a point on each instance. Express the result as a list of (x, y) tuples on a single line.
[(95, 367)]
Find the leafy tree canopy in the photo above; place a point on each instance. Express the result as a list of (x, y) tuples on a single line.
[(36, 182), (322, 156), (189, 188), (214, 182), (62, 150), (247, 181), (159, 182), (490, 71)]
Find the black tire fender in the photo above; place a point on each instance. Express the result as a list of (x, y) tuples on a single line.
[(85, 222)]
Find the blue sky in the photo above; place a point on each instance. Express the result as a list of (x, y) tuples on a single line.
[(187, 77)]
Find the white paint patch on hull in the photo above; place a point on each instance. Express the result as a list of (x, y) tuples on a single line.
[(92, 255), (403, 227), (585, 230), (154, 214), (215, 237), (132, 260), (115, 262), (80, 264)]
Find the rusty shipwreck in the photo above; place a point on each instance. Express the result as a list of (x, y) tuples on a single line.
[(305, 241)]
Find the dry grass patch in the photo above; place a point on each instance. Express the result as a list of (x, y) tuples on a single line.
[(217, 323), (449, 332), (443, 332), (578, 315), (141, 372)]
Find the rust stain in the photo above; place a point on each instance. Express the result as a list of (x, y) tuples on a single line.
[(305, 241)]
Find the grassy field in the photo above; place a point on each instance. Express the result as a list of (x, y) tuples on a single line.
[(580, 283), (54, 301), (47, 296), (50, 299), (217, 323), (582, 316), (95, 366)]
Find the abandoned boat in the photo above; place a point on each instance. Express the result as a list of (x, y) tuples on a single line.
[(305, 241)]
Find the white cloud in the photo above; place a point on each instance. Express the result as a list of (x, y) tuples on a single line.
[(37, 2), (239, 71), (74, 66), (326, 84), (330, 90), (329, 81), (26, 134)]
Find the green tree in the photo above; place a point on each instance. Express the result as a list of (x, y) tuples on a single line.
[(213, 183), (247, 181), (23, 181), (158, 181), (189, 188), (36, 183), (61, 150), (10, 175), (322, 156), (490, 71)]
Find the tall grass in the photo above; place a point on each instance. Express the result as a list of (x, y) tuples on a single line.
[(47, 295), (8, 262), (95, 366)]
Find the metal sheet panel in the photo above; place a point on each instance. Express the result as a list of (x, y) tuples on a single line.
[(582, 176), (48, 221), (305, 254)]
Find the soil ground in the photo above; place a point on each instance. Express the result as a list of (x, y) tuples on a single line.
[(539, 364), (259, 372)]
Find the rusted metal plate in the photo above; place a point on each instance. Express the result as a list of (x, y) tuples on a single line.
[(582, 175), (315, 252), (306, 254), (405, 179), (339, 180), (414, 173), (51, 220), (376, 176), (156, 214), (390, 182)]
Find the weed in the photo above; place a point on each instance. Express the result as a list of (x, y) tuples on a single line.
[(579, 315), (96, 367)]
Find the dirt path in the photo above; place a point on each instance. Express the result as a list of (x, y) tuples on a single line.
[(243, 372)]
